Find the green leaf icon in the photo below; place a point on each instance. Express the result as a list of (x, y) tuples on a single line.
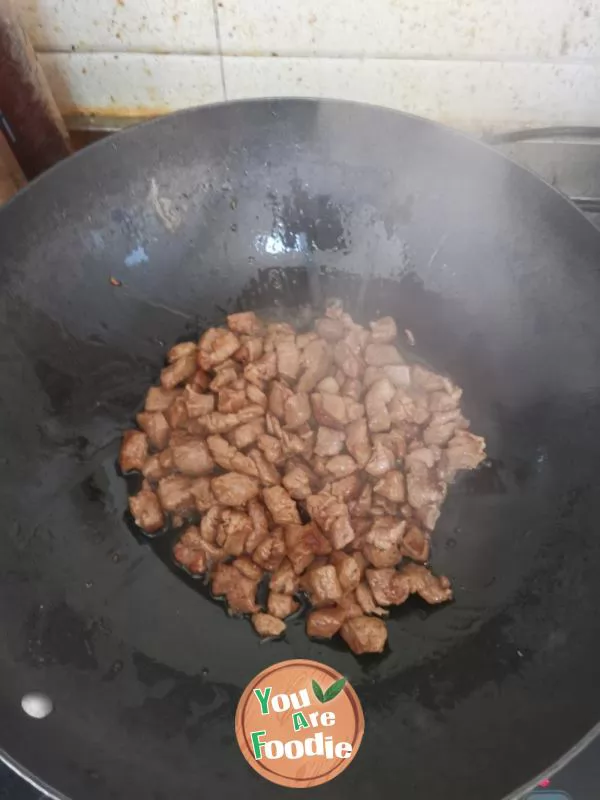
[(334, 689), (318, 692)]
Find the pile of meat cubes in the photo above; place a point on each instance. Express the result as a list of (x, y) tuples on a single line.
[(317, 461)]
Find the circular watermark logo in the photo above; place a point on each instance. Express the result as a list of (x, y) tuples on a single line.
[(299, 723)]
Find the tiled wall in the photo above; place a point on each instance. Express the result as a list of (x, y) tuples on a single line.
[(477, 64)]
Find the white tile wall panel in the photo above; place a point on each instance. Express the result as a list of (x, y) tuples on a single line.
[(167, 26), (525, 29), (467, 94), (131, 84)]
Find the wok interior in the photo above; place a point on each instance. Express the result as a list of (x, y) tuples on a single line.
[(460, 247)]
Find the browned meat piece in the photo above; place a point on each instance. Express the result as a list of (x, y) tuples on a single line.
[(244, 322), (203, 495), (330, 442), (383, 507), (323, 623), (264, 369), (442, 427), (398, 375), (361, 507), (315, 361), (383, 330), (348, 570), (354, 410), (352, 388), (333, 517), (423, 487), (215, 346), (197, 405), (357, 442), (224, 423), (175, 494), (153, 469), (166, 459), (146, 511), (430, 381), (341, 466), (346, 489), (284, 579), (330, 329), (270, 552), (210, 523), (388, 586), (303, 543), (394, 440), (347, 360), (379, 355), (329, 410), (350, 607), (193, 458), (464, 451), (159, 399), (364, 635), (372, 374), (445, 401), (234, 489), (199, 382), (281, 605), (409, 405), (366, 601), (271, 448), (376, 400), (177, 415), (181, 350), (189, 551), (420, 456), (299, 483), (251, 349), (419, 580), (288, 359), (304, 339), (386, 532), (382, 558), (428, 515), (279, 332), (279, 392), (260, 524), (156, 427), (232, 398), (248, 568), (227, 457), (234, 529), (239, 591), (391, 486), (267, 625), (282, 508), (178, 372), (296, 410), (134, 451), (381, 461), (323, 585), (357, 337), (329, 385), (267, 473), (247, 434), (415, 544), (256, 396)]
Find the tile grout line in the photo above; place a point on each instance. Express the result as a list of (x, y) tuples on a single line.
[(219, 47)]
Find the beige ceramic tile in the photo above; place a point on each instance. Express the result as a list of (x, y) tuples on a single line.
[(467, 94), (131, 83), (146, 25), (530, 29)]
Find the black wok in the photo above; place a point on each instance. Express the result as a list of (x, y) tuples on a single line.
[(262, 204)]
